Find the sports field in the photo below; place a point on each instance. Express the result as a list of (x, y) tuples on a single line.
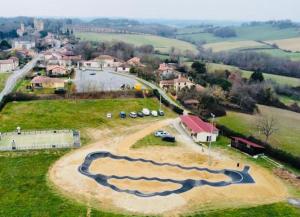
[(37, 138), (160, 43), (126, 180)]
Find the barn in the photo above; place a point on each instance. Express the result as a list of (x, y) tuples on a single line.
[(246, 146)]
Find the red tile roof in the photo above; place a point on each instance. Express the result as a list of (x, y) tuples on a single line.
[(247, 142), (197, 125)]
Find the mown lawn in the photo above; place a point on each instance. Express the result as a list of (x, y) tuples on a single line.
[(3, 78), (286, 138), (160, 43)]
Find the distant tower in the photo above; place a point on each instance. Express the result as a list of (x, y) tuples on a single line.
[(38, 25), (22, 30)]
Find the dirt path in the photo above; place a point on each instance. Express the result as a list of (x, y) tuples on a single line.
[(65, 176)]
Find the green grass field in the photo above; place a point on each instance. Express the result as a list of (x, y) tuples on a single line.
[(279, 53), (264, 32), (73, 114), (286, 138), (150, 141), (289, 100), (3, 78), (234, 45), (212, 67), (160, 43)]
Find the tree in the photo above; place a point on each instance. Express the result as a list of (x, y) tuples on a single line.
[(199, 67), (257, 76), (4, 45), (267, 126)]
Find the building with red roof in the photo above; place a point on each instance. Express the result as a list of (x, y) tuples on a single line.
[(199, 130), (246, 146)]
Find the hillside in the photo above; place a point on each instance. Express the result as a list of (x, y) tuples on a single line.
[(160, 43)]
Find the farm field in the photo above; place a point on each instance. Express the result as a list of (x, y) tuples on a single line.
[(291, 44), (287, 136), (263, 32), (234, 45), (279, 53), (289, 100), (160, 43), (284, 80), (3, 78)]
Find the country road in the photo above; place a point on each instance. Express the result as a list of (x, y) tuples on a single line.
[(16, 76)]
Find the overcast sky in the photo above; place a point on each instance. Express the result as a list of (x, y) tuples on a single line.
[(167, 9)]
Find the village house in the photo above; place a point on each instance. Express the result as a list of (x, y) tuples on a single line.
[(20, 45), (9, 64), (167, 71), (56, 70), (199, 130), (123, 68), (135, 61), (40, 82), (176, 84), (92, 64), (107, 61)]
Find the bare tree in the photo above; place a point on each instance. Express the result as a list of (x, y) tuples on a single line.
[(267, 126)]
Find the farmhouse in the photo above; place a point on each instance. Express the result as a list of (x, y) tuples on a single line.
[(246, 146), (92, 64), (56, 70), (199, 130), (46, 82), (9, 64)]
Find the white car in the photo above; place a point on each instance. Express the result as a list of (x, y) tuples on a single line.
[(109, 115), (146, 112), (133, 115), (154, 113), (161, 133)]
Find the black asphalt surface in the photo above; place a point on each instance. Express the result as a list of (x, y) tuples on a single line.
[(236, 177)]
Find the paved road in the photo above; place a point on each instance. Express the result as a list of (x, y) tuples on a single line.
[(16, 76), (153, 86)]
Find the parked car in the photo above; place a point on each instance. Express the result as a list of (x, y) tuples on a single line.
[(161, 133), (109, 115), (168, 138), (132, 115), (146, 112), (123, 115), (140, 114), (154, 113), (161, 113)]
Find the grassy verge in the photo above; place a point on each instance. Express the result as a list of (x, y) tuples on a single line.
[(274, 210), (150, 141), (3, 78)]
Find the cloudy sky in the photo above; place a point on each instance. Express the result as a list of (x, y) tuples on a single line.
[(167, 9)]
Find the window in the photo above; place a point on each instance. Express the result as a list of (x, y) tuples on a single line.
[(208, 138)]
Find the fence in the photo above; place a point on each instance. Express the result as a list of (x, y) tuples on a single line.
[(75, 143)]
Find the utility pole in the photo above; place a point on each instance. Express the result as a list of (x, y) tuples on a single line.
[(210, 140)]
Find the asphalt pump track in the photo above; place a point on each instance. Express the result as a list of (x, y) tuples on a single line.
[(236, 177)]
